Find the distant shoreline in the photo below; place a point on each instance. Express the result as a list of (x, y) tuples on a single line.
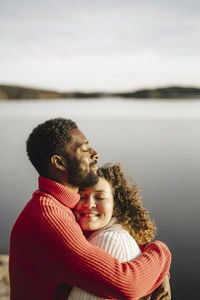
[(11, 92)]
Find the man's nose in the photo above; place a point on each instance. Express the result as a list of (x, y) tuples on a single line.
[(93, 154)]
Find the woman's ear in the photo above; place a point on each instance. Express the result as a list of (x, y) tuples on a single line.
[(58, 162)]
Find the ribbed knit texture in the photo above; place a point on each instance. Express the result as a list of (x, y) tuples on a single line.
[(48, 248), (117, 242)]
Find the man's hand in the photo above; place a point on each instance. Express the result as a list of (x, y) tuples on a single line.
[(163, 292)]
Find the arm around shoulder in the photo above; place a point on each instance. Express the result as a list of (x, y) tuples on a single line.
[(67, 257)]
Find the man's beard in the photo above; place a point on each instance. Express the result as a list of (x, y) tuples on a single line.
[(78, 177)]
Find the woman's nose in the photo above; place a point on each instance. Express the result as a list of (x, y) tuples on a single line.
[(90, 202)]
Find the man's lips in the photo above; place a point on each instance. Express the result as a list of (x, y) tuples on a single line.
[(94, 165), (94, 168)]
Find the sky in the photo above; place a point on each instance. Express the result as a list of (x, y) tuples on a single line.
[(100, 45)]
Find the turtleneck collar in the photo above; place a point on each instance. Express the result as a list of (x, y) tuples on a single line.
[(58, 191)]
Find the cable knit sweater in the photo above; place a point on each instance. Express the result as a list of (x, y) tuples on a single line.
[(48, 248), (117, 242)]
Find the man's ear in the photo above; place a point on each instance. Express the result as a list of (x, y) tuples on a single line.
[(58, 162)]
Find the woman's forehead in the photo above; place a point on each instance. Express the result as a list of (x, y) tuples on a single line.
[(102, 186)]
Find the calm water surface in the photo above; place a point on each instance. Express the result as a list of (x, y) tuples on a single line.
[(158, 143)]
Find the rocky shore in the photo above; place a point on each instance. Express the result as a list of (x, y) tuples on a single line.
[(4, 278)]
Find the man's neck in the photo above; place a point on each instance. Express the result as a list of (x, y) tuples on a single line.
[(66, 184)]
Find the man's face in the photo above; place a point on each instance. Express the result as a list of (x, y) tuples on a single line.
[(81, 161)]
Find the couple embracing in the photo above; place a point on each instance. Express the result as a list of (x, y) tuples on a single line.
[(79, 235)]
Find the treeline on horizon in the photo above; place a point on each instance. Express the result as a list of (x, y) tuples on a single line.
[(10, 92)]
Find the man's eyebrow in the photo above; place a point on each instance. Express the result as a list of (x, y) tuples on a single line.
[(84, 143)]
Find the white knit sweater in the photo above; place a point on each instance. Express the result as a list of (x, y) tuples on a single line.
[(117, 242)]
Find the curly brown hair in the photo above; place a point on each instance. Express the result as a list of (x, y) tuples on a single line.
[(128, 207)]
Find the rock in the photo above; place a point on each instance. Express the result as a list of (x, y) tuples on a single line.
[(4, 278)]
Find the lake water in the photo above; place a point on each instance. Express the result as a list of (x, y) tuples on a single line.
[(157, 142)]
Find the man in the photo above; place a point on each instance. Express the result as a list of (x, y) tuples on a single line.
[(48, 249)]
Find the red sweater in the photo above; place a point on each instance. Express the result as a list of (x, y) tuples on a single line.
[(48, 248)]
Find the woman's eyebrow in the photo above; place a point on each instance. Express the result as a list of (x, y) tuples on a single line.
[(98, 191)]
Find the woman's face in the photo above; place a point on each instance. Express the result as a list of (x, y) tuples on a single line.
[(95, 207)]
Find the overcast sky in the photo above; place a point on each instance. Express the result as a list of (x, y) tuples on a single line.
[(100, 44)]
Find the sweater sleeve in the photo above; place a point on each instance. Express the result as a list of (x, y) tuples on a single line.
[(62, 252)]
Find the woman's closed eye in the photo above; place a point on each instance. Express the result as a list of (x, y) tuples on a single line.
[(100, 197)]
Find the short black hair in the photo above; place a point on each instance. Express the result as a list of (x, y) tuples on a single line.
[(47, 139)]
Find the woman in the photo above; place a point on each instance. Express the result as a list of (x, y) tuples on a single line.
[(112, 217)]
